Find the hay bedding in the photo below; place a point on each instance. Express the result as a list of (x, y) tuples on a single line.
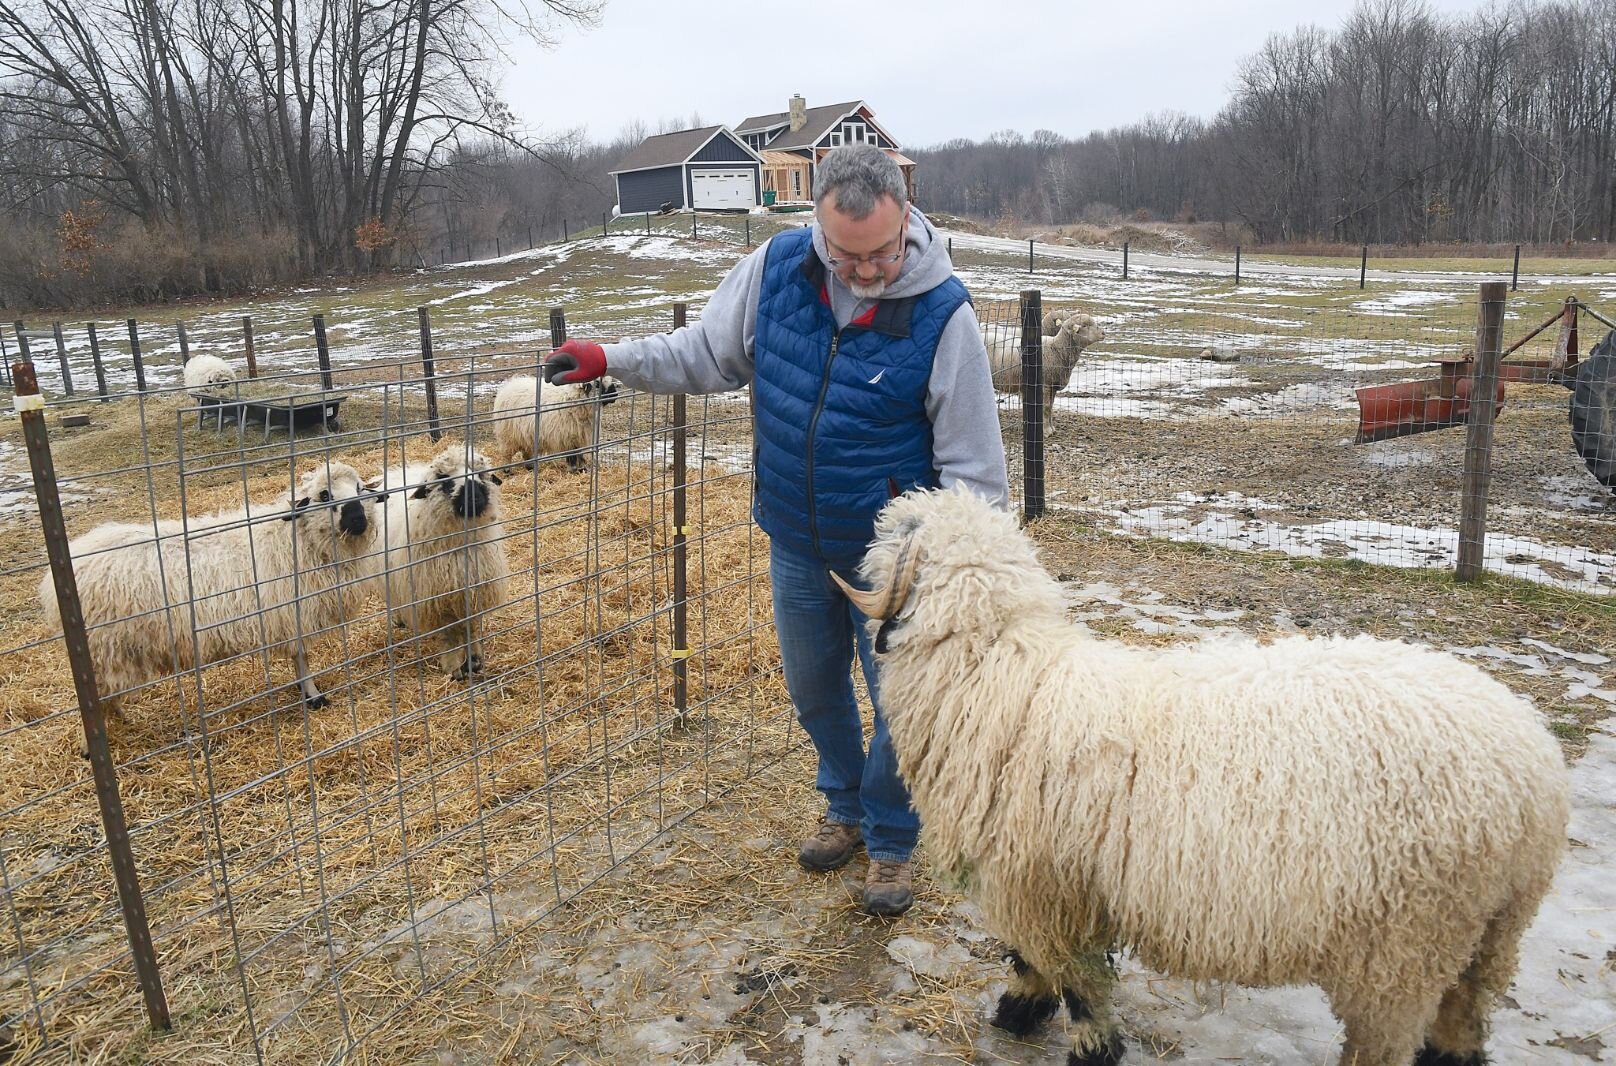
[(560, 761)]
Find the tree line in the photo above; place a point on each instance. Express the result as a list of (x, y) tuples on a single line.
[(1402, 126), (158, 147)]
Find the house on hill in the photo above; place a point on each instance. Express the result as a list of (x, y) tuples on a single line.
[(709, 169), (719, 168), (793, 141)]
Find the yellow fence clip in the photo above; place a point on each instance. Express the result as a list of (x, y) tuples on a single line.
[(681, 653), (682, 531)]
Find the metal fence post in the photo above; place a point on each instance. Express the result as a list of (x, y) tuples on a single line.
[(30, 406), (1363, 267), (1030, 268), (564, 235), (1515, 272), (95, 361), (748, 224), (681, 532), (324, 352), (1479, 435), (434, 428), (693, 224), (247, 341), (1124, 260), (499, 249), (61, 356), (1032, 404), (1237, 264), (5, 361), (951, 248), (134, 352)]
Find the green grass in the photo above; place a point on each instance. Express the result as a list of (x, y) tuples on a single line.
[(1497, 267)]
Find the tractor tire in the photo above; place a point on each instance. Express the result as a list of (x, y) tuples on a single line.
[(1593, 411)]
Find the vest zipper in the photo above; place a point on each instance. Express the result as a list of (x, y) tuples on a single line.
[(813, 426)]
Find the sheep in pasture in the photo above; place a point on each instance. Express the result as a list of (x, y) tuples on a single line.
[(445, 558), (207, 373), (566, 426), (1377, 818), (1073, 334), (164, 598)]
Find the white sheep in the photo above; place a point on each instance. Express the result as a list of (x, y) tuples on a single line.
[(1071, 335), (444, 562), (566, 425), (1377, 818), (265, 576), (206, 374)]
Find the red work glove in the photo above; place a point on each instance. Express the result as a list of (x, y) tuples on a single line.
[(575, 361)]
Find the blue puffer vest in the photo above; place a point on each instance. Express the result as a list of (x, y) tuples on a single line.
[(840, 415)]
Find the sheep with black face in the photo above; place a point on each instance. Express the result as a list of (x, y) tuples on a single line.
[(166, 596), (444, 565)]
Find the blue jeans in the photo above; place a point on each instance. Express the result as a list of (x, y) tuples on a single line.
[(818, 630)]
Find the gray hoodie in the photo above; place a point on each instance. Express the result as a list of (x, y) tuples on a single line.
[(715, 355)]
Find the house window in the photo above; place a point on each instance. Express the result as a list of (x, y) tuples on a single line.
[(796, 185), (853, 132), (836, 140)]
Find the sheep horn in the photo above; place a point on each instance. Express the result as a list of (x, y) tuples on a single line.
[(883, 603)]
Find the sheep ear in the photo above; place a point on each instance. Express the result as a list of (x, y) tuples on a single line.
[(296, 507), (422, 491), (495, 478), (375, 484)]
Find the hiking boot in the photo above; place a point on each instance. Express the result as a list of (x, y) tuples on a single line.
[(830, 848), (888, 890)]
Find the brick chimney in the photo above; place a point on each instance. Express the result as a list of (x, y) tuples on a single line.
[(799, 112)]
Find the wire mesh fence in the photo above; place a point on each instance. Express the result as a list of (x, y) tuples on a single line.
[(495, 705), (487, 723)]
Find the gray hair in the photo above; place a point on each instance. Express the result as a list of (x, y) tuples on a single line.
[(859, 175)]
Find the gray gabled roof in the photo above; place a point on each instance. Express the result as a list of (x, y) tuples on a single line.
[(757, 123), (820, 121), (666, 149)]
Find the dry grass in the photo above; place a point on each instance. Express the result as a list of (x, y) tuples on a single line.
[(266, 834)]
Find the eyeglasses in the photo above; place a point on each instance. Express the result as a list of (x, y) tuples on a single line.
[(839, 262)]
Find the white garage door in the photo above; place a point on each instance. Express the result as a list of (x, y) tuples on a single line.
[(721, 188)]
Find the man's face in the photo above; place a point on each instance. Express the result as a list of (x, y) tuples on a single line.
[(866, 253)]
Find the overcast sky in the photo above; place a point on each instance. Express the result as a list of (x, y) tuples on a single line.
[(930, 71)]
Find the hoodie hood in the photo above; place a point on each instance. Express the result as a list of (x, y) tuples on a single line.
[(925, 266)]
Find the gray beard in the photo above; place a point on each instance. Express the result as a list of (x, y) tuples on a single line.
[(872, 291)]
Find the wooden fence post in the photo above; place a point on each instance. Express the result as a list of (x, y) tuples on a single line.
[(1479, 436), (134, 352), (247, 341), (61, 356), (95, 361), (428, 375), (324, 352)]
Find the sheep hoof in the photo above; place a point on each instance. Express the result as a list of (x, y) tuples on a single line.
[(1097, 1050), (468, 669), (1020, 1015), (1430, 1056), (316, 701)]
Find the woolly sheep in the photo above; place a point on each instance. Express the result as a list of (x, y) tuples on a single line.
[(207, 373), (444, 561), (264, 576), (1376, 818), (1073, 334), (566, 426)]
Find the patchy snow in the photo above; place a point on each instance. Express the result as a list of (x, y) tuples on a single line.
[(1382, 543), (1396, 303)]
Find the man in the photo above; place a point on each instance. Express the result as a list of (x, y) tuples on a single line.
[(869, 376)]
